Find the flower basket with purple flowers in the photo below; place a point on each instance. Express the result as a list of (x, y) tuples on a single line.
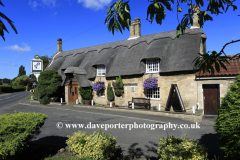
[(150, 82), (98, 86)]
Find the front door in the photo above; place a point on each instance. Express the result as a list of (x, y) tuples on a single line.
[(72, 84), (211, 99)]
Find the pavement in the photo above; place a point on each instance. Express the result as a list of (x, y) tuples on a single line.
[(187, 116)]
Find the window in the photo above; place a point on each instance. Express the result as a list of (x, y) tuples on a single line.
[(153, 93), (101, 70), (152, 65), (70, 90), (75, 90), (101, 94)]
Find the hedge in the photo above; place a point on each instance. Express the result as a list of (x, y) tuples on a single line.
[(16, 130)]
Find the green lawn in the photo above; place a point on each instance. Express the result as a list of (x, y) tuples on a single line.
[(29, 97)]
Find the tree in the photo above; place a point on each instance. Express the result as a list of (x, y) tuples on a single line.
[(110, 94), (32, 77), (2, 26), (46, 60), (227, 123), (21, 71), (49, 86), (119, 18), (17, 81)]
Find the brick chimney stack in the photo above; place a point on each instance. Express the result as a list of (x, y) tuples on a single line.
[(59, 45), (135, 28), (195, 17)]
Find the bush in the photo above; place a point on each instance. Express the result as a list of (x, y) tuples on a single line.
[(16, 130), (6, 89), (18, 88), (99, 146), (180, 148), (49, 85), (227, 123), (17, 81), (118, 86), (86, 93), (110, 94)]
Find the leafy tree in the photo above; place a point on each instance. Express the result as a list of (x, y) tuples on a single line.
[(227, 123), (119, 18), (46, 60), (5, 80), (32, 77), (17, 81), (21, 71), (2, 26), (49, 86)]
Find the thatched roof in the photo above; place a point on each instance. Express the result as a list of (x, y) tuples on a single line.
[(127, 57)]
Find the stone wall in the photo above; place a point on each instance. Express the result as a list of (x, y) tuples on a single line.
[(185, 81), (66, 94)]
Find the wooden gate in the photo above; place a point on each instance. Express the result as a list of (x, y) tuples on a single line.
[(72, 90), (211, 99)]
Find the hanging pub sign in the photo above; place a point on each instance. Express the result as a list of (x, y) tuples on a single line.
[(36, 66)]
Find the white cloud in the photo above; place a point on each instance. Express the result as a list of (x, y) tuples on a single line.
[(33, 4), (14, 64), (54, 14), (36, 3), (49, 3), (26, 48), (94, 4), (6, 63)]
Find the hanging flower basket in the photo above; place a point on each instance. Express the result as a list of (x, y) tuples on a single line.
[(150, 82), (98, 86)]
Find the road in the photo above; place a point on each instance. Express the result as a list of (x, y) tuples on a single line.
[(133, 142)]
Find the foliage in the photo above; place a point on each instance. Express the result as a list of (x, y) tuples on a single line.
[(150, 82), (85, 92), (119, 18), (118, 86), (5, 80), (227, 123), (6, 89), (17, 81), (16, 130), (119, 82), (68, 158), (32, 77), (180, 148), (100, 146), (110, 94), (98, 86), (49, 85), (18, 88), (46, 60), (2, 26), (22, 71)]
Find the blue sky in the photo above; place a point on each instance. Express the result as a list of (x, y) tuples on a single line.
[(80, 24)]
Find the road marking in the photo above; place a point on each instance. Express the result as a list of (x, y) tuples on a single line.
[(95, 113)]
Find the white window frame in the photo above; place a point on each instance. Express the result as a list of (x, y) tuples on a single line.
[(153, 93), (152, 64), (100, 94), (101, 70)]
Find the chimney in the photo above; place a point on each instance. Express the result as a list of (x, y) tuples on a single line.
[(59, 45), (135, 28), (196, 9)]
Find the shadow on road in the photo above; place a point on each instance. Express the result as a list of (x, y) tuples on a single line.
[(210, 141)]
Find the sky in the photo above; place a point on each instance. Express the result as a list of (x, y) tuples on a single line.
[(80, 24)]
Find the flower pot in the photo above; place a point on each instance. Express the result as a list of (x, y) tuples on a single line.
[(87, 103), (108, 104), (118, 93)]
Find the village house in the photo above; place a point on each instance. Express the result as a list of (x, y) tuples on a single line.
[(159, 55)]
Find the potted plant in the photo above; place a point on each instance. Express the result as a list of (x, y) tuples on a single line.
[(150, 82), (118, 86), (86, 94), (99, 86), (110, 95)]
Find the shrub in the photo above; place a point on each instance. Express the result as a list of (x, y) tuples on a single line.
[(16, 130), (227, 123), (110, 94), (99, 146), (17, 81), (49, 85), (180, 148), (86, 93), (118, 86), (6, 89)]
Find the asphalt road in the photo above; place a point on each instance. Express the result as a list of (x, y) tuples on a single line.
[(136, 141)]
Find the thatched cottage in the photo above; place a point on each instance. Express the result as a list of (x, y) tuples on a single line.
[(160, 55)]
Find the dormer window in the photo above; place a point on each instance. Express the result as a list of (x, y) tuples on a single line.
[(101, 70), (152, 65)]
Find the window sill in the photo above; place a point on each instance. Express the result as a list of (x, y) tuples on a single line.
[(100, 96), (151, 72), (157, 99)]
